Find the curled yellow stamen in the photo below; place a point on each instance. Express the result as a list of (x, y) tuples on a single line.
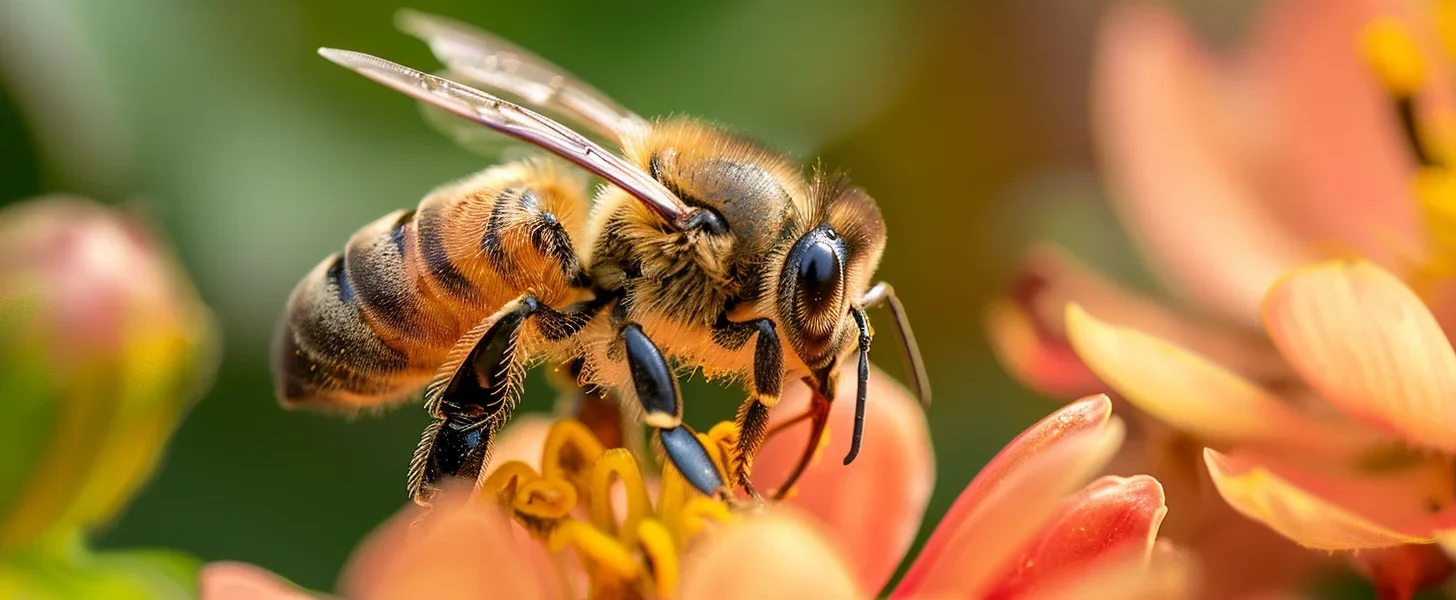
[(503, 482), (661, 554), (545, 499), (1392, 53), (569, 452), (1446, 25), (696, 514), (1436, 189), (596, 547), (618, 464), (722, 444)]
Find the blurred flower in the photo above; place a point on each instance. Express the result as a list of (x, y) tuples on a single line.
[(1360, 459), (103, 347), (1022, 526), (1332, 133)]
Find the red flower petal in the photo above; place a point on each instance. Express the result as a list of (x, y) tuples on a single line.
[(1110, 516)]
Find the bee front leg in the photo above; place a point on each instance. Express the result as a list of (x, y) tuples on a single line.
[(657, 390), (765, 387), (476, 389)]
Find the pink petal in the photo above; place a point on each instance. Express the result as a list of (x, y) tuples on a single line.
[(1179, 184), (522, 440), (776, 555), (890, 481), (240, 581), (1028, 329), (1111, 516), (1345, 169), (459, 550), (1337, 512), (1366, 342), (1012, 498)]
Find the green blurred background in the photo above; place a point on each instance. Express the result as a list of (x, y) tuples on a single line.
[(217, 122)]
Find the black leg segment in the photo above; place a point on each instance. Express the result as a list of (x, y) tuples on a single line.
[(863, 322), (766, 387), (473, 396), (657, 390)]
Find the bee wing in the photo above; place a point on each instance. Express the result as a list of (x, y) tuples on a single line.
[(480, 58), (520, 123)]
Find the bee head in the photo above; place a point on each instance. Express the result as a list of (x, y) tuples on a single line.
[(835, 250)]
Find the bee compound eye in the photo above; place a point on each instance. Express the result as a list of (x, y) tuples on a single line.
[(820, 269)]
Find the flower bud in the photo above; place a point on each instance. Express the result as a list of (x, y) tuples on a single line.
[(104, 344)]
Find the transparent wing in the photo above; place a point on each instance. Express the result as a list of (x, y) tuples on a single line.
[(478, 57), (523, 124)]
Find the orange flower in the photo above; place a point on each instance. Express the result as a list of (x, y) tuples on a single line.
[(1231, 172), (1022, 525), (1360, 459), (1333, 133)]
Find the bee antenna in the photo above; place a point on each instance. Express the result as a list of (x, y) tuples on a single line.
[(863, 323)]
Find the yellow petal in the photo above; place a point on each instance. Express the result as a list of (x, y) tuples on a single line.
[(1257, 492), (1194, 395), (1368, 343)]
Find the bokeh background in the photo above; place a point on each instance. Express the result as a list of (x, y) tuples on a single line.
[(216, 121)]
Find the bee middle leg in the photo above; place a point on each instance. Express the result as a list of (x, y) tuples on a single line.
[(476, 390), (657, 391)]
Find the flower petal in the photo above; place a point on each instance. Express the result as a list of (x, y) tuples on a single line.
[(460, 549), (1029, 334), (522, 440), (1328, 512), (1194, 395), (776, 555), (241, 581), (1004, 507), (1342, 165), (1180, 186), (1111, 516), (891, 479), (1402, 571), (1364, 340), (1170, 573)]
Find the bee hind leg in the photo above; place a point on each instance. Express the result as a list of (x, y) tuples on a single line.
[(475, 391), (657, 390)]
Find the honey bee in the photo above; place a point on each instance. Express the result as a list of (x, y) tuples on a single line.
[(699, 242)]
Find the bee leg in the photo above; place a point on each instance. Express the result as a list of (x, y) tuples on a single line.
[(657, 390), (473, 395), (765, 388)]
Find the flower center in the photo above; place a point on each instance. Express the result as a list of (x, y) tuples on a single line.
[(1430, 131), (595, 502)]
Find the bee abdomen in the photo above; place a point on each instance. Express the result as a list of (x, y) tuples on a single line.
[(327, 354), (390, 296)]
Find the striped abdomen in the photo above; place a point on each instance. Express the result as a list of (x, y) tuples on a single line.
[(372, 323)]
